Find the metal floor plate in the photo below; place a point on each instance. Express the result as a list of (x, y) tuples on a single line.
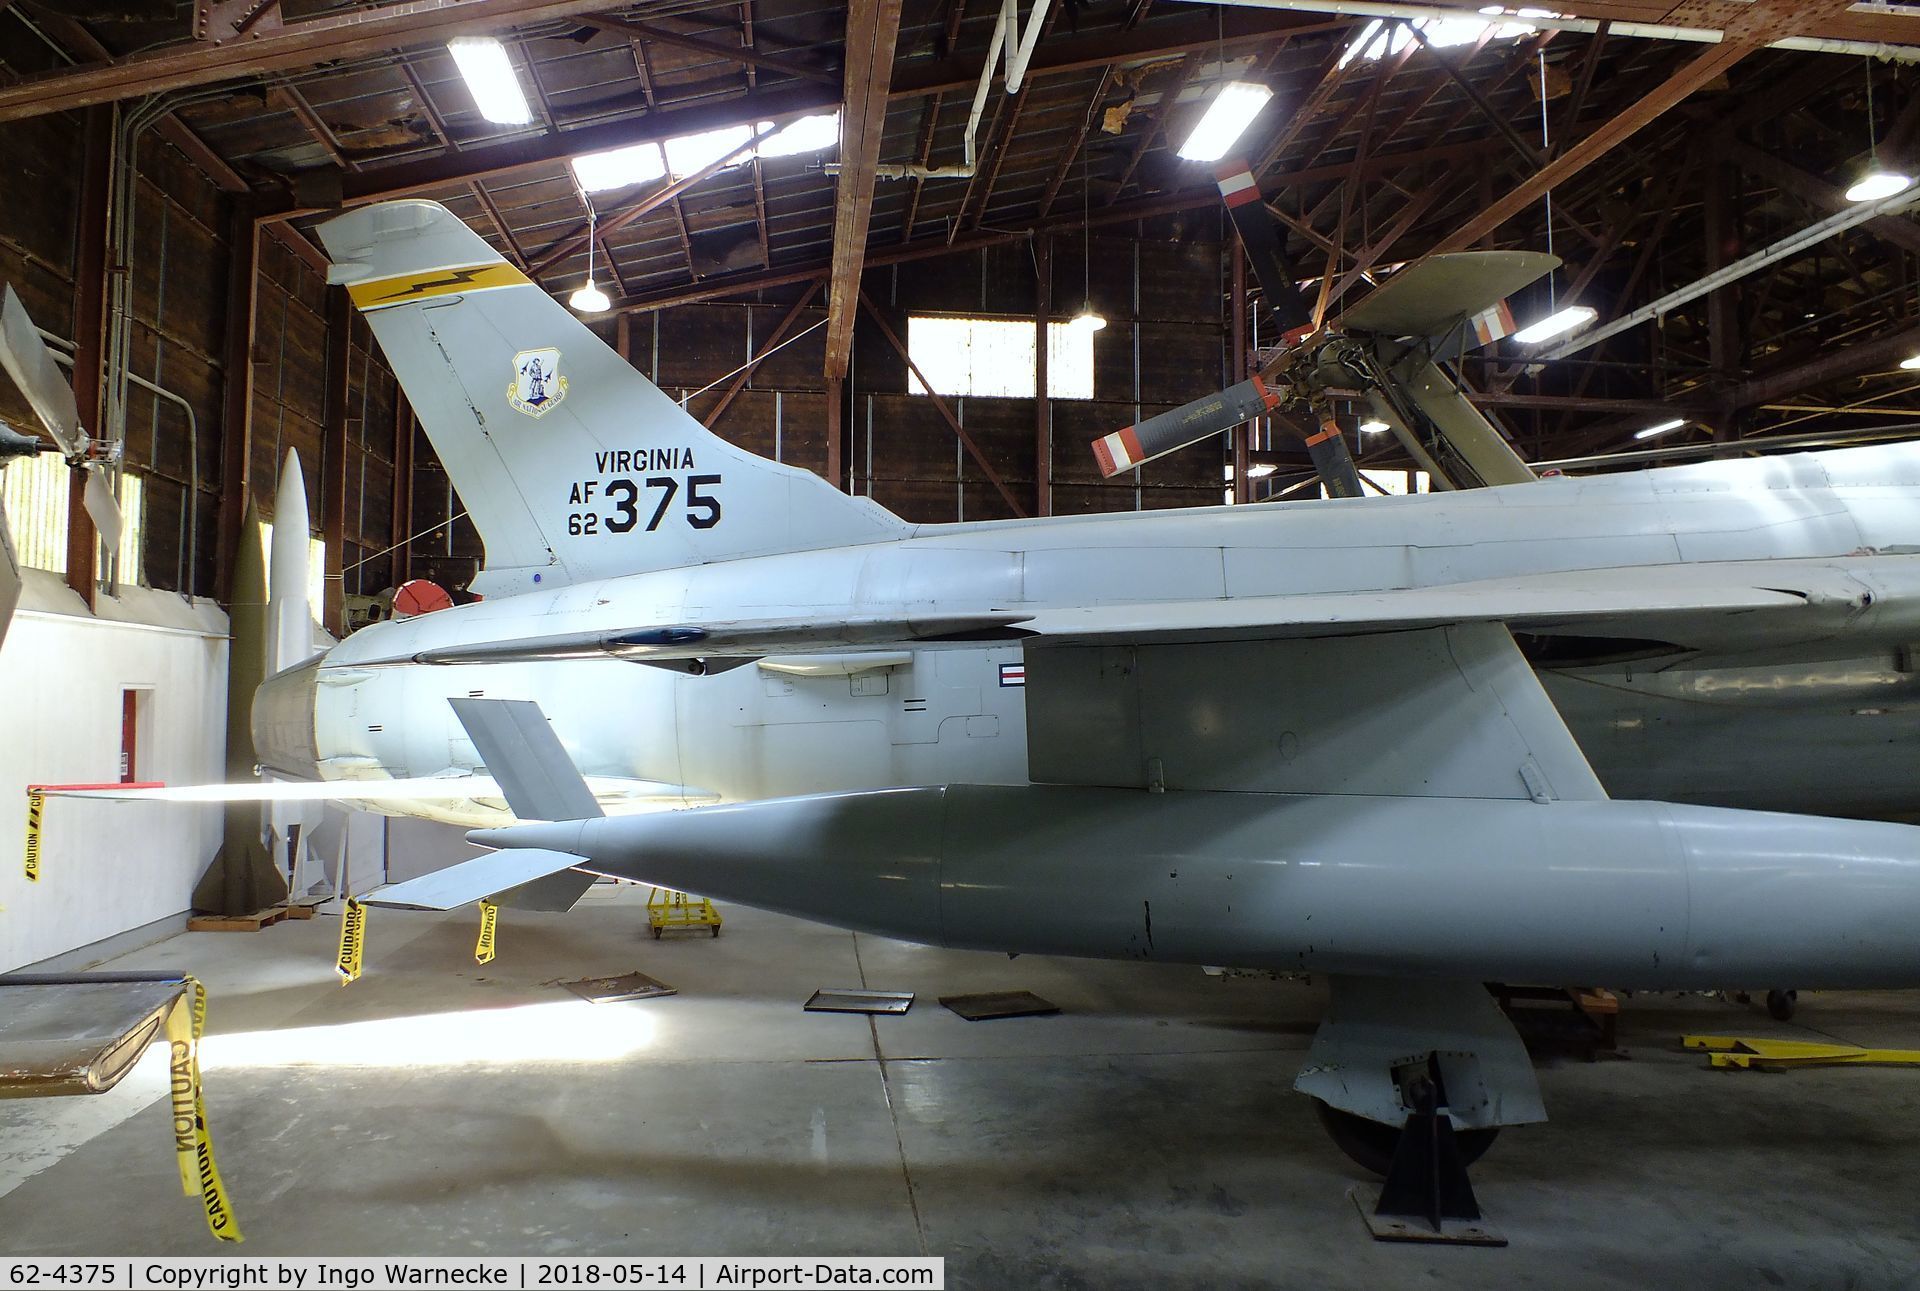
[(999, 1004), (611, 990), (826, 1001)]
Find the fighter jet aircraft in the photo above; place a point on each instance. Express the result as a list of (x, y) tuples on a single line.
[(1532, 732)]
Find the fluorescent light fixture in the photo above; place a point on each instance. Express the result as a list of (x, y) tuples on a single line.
[(1373, 426), (488, 72), (1089, 319), (691, 152), (639, 163), (1557, 324), (808, 134), (1660, 429), (1877, 184), (1232, 111), (590, 300), (1911, 363)]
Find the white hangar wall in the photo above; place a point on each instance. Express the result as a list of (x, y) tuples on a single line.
[(105, 867)]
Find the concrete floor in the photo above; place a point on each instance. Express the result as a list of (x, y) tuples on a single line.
[(1146, 1137)]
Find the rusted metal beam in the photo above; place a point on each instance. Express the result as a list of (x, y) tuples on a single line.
[(1863, 356), (1156, 123), (1583, 85), (485, 201), (1899, 230), (730, 53), (91, 271), (835, 396), (1145, 208), (77, 39), (940, 406), (519, 157), (873, 28), (1496, 119), (1071, 153), (1332, 74), (1696, 72), (333, 461), (1206, 29), (745, 374), (1237, 361), (570, 242), (1042, 391), (349, 33), (236, 423), (400, 525), (1423, 198)]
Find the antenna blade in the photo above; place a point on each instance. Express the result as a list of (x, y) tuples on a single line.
[(30, 363), (104, 509)]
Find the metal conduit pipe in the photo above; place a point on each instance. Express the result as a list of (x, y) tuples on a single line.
[(1642, 30), (1008, 38), (62, 344)]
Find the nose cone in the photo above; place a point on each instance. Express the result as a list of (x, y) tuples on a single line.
[(283, 708)]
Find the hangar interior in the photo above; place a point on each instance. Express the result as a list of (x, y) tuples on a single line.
[(841, 238)]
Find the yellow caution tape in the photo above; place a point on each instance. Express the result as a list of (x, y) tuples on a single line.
[(35, 802), (353, 940), (192, 1143), (489, 920)]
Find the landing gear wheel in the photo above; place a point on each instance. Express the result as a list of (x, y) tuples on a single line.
[(657, 932), (1780, 1005), (1370, 1144)]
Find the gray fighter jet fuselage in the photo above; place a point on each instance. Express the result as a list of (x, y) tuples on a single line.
[(1818, 718)]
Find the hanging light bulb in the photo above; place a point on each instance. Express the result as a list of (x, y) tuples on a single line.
[(1879, 182), (1088, 317), (590, 299)]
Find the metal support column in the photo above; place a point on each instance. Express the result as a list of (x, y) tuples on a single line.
[(401, 527), (236, 422), (1042, 400), (90, 273), (1238, 369), (333, 458), (833, 433)]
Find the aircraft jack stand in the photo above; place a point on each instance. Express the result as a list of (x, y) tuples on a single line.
[(668, 910), (1427, 1196)]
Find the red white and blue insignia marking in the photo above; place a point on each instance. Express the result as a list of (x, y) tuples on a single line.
[(1013, 674)]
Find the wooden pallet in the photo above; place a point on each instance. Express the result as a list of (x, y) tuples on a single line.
[(243, 922)]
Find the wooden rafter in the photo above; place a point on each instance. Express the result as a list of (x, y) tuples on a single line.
[(873, 28)]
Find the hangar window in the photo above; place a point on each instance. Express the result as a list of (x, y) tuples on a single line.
[(994, 357), (34, 491)]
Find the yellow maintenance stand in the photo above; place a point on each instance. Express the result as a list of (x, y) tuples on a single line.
[(668, 909), (1780, 1055)]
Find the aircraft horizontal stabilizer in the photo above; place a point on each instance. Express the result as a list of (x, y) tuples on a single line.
[(410, 789), (494, 877)]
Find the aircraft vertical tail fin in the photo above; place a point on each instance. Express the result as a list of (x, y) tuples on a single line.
[(572, 465)]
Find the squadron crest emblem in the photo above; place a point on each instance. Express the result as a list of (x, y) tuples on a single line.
[(537, 385)]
